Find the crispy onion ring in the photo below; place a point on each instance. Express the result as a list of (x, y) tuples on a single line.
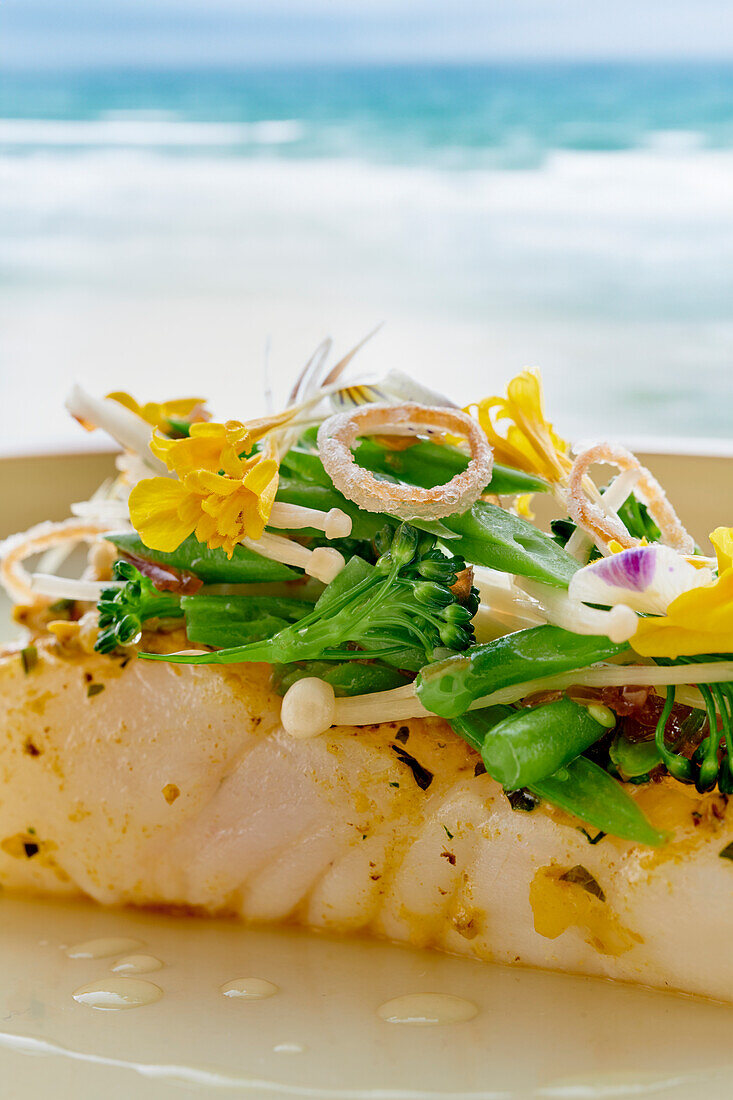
[(590, 516), (43, 536), (336, 436)]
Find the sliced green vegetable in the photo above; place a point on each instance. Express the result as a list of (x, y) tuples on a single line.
[(346, 677), (429, 464), (634, 758), (237, 620), (449, 687), (493, 537), (212, 566), (585, 790)]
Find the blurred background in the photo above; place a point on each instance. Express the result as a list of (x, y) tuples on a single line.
[(193, 193)]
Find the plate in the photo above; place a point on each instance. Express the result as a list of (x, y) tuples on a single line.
[(320, 1037)]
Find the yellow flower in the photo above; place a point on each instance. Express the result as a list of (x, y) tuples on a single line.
[(526, 440), (698, 621), (220, 497), (722, 540), (159, 415)]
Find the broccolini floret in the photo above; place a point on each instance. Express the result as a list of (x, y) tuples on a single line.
[(122, 611), (401, 610)]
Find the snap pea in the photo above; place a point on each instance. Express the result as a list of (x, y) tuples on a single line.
[(237, 620), (429, 464), (634, 758), (580, 787), (530, 744), (212, 566), (585, 790), (449, 687), (491, 536), (345, 677)]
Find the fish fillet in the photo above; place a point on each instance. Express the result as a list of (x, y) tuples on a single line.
[(139, 783)]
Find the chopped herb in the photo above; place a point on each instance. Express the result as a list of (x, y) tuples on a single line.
[(394, 784), (94, 689), (592, 839), (448, 833), (480, 769), (29, 658), (522, 799), (581, 876), (60, 606), (423, 777), (402, 734), (449, 856), (30, 849), (727, 852)]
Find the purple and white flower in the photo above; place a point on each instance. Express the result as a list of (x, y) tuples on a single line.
[(644, 578)]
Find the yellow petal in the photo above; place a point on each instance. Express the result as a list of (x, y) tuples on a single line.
[(722, 540), (154, 511), (698, 621)]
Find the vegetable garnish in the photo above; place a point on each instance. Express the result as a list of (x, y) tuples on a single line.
[(387, 568)]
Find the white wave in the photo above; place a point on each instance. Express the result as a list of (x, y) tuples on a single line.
[(145, 130)]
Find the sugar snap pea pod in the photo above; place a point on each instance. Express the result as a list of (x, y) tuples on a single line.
[(345, 677), (449, 687), (530, 744), (493, 537), (237, 620), (588, 792), (634, 758), (212, 566), (429, 464), (475, 725)]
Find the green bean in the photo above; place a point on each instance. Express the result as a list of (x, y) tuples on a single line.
[(585, 790), (530, 744), (237, 620), (211, 566), (449, 687)]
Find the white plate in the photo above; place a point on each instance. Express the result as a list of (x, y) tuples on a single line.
[(536, 1035)]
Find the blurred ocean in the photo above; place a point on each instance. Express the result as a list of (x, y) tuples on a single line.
[(173, 232)]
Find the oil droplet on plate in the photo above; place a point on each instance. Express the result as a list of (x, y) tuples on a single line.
[(425, 1009), (137, 964), (289, 1048), (102, 948), (249, 989), (113, 994)]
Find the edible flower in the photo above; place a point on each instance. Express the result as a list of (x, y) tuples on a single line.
[(527, 441), (224, 492), (699, 620), (160, 415), (644, 578)]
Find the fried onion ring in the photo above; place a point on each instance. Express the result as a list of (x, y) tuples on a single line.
[(337, 435), (15, 550), (604, 528)]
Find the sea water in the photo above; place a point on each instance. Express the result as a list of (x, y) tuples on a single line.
[(169, 232)]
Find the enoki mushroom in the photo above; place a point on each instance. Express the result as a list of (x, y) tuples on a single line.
[(591, 517), (337, 435)]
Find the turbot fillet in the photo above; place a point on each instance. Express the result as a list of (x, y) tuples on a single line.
[(151, 784)]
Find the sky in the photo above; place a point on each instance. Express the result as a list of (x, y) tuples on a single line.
[(90, 33)]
